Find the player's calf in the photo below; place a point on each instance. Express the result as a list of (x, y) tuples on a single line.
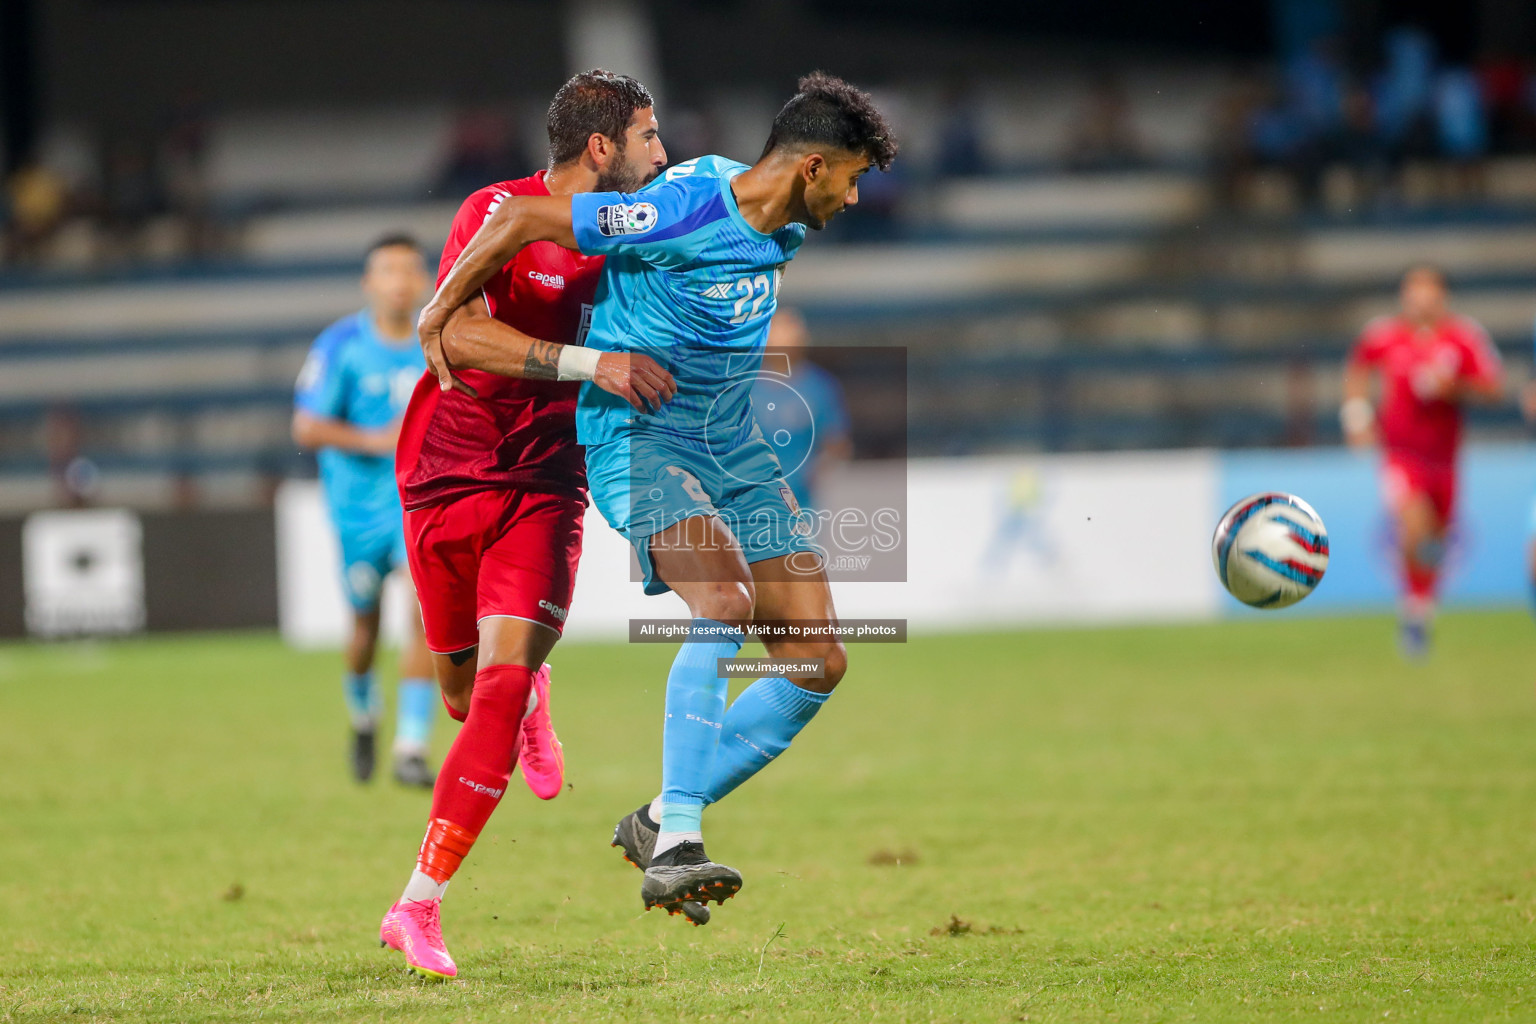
[(473, 779)]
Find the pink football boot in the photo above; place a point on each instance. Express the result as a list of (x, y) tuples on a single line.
[(541, 757), (415, 928)]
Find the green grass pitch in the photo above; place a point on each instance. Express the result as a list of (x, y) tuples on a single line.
[(1264, 820)]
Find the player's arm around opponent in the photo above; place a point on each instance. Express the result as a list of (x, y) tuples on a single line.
[(705, 546), (457, 331)]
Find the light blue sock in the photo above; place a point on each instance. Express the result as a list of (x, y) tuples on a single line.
[(362, 696), (759, 726), (413, 719), (695, 711)]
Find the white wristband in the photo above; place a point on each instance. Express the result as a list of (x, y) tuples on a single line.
[(576, 363), (1356, 414)]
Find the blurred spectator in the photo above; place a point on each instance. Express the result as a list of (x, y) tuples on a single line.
[(184, 158), (1103, 134), (1232, 152), (484, 149), (960, 149), (37, 200), (1507, 88), (1315, 120), (1279, 139), (1316, 84), (76, 478), (1462, 128), (1359, 147), (131, 194), (1404, 92)]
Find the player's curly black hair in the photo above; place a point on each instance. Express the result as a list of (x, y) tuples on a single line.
[(827, 111), (593, 101)]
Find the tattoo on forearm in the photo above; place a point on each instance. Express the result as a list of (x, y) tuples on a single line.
[(543, 361)]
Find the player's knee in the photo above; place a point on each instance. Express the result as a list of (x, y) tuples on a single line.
[(834, 665), (512, 641), (457, 682), (832, 655), (365, 639), (725, 602), (365, 629)]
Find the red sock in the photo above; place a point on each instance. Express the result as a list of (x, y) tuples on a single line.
[(453, 712), (1421, 581), (475, 773)]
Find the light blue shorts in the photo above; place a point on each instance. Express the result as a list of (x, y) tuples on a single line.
[(643, 483), (370, 551)]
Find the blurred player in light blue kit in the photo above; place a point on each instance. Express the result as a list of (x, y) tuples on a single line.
[(691, 280), (1528, 407), (802, 413), (347, 407)]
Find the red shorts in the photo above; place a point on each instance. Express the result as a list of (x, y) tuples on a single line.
[(492, 552), (1406, 476)]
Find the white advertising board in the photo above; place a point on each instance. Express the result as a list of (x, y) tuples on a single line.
[(1050, 539), (83, 572), (990, 542)]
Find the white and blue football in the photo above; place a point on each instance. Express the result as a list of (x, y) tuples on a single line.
[(1270, 550)]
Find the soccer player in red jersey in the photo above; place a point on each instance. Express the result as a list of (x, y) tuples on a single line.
[(494, 489), (1431, 363)]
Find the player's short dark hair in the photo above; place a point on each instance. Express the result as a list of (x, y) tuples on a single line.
[(393, 240), (593, 101), (827, 111)]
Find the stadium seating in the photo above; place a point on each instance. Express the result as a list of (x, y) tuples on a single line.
[(1039, 309)]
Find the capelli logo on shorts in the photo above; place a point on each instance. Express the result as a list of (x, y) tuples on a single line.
[(553, 609), (550, 280), (626, 218)]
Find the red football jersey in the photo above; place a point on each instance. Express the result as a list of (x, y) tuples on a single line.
[(1457, 347), (517, 433)]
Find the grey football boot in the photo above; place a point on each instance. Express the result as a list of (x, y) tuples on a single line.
[(635, 834), (412, 770), (686, 873)]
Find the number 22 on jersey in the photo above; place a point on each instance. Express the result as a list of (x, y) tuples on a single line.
[(755, 289)]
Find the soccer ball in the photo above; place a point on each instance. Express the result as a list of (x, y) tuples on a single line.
[(1270, 550)]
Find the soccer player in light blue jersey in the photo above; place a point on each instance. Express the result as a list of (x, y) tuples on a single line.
[(691, 280), (348, 402), (801, 412), (1528, 409)]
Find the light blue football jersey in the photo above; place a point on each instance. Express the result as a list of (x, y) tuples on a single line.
[(690, 283), (354, 375)]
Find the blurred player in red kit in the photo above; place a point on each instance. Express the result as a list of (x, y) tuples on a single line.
[(1431, 362), (494, 489)]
